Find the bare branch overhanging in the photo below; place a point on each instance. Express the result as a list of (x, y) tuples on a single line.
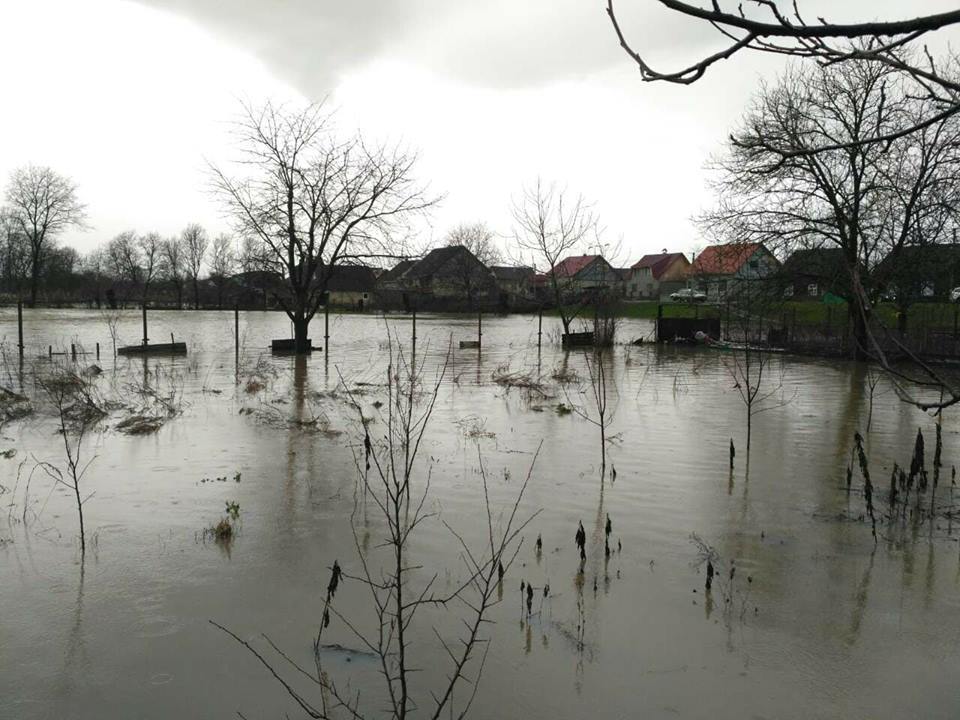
[(774, 31)]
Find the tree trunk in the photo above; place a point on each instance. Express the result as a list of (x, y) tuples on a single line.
[(196, 293), (34, 282), (301, 328), (860, 338)]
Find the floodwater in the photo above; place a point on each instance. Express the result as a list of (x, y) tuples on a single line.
[(821, 621)]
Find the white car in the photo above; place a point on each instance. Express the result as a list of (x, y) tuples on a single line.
[(955, 294), (688, 295)]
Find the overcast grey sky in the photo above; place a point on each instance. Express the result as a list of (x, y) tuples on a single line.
[(132, 98)]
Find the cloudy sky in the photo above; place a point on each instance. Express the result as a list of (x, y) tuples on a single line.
[(133, 99)]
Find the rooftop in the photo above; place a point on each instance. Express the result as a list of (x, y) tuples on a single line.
[(659, 262), (724, 259)]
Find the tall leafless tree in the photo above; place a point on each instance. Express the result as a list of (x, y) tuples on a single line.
[(549, 225), (316, 201), (151, 257), (14, 253), (96, 265), (222, 264), (43, 204), (868, 199), (125, 260), (175, 265), (195, 241)]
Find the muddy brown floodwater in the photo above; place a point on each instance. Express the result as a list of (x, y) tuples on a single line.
[(829, 625)]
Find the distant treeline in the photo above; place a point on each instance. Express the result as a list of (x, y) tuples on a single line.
[(188, 270)]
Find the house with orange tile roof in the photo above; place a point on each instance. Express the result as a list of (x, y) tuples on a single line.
[(719, 268)]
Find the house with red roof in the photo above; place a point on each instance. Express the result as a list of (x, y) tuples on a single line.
[(719, 268), (645, 277), (585, 272)]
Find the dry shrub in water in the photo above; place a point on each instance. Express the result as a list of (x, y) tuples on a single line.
[(13, 406), (392, 479)]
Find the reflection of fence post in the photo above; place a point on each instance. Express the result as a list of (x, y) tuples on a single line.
[(479, 327), (326, 323), (20, 326), (656, 328), (539, 328), (236, 333)]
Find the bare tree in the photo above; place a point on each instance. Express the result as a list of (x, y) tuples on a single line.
[(43, 204), (151, 256), (597, 376), (77, 410), (123, 256), (195, 241), (748, 362), (550, 224), (316, 201), (222, 264), (96, 265), (126, 262), (765, 26), (868, 199), (174, 251), (14, 253), (478, 239)]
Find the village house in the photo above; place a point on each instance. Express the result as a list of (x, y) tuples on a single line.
[(449, 277), (579, 274), (514, 282), (811, 273), (720, 269), (352, 286), (929, 271), (647, 276)]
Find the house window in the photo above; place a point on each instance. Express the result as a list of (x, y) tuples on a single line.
[(812, 289)]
